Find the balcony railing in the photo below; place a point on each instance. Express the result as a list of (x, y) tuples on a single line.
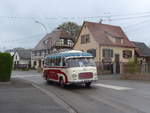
[(61, 44)]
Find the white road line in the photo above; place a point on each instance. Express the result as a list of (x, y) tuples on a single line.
[(112, 87), (20, 76)]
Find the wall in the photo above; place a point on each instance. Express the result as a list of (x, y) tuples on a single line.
[(117, 50), (91, 45)]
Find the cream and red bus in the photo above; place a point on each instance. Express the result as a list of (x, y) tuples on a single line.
[(70, 67)]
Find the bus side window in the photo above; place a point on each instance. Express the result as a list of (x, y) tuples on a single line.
[(53, 61), (50, 62), (58, 61), (63, 62)]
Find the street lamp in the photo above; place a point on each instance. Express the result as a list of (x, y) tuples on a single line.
[(42, 26), (45, 28)]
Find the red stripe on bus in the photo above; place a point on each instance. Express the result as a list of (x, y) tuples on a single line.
[(52, 71), (56, 67)]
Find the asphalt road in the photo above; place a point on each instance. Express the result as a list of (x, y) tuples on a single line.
[(105, 96), (19, 96)]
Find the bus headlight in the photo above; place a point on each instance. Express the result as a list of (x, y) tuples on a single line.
[(74, 76)]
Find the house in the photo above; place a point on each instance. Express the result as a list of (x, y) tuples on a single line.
[(21, 57), (107, 43), (56, 41), (142, 52)]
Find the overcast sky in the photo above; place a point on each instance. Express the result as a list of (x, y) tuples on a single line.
[(19, 29)]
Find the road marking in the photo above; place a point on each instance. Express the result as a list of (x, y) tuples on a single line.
[(24, 76), (113, 87)]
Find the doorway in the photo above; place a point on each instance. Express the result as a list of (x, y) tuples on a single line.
[(117, 61)]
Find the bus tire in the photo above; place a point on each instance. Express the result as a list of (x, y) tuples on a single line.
[(61, 82), (88, 84), (46, 78)]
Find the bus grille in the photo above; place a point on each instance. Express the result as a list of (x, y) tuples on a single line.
[(85, 75)]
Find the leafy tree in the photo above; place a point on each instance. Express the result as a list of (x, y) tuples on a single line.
[(72, 28)]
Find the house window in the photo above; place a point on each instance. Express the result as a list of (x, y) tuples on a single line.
[(40, 53), (85, 39), (34, 63), (127, 54), (35, 53), (70, 42), (65, 42), (118, 40), (107, 53), (92, 51), (45, 42), (16, 57)]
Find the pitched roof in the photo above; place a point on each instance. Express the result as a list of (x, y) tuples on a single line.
[(101, 31), (50, 39), (142, 49), (24, 54), (15, 49)]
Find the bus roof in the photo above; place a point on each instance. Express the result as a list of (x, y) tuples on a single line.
[(70, 54)]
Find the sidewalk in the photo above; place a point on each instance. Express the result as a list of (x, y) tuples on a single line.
[(109, 77), (21, 97)]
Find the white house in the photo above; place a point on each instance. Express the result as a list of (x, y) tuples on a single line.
[(21, 57)]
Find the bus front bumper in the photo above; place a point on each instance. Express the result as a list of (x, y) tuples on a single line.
[(82, 81)]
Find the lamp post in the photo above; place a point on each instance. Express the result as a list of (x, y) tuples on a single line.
[(45, 28)]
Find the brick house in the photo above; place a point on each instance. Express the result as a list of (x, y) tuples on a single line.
[(108, 44), (56, 41)]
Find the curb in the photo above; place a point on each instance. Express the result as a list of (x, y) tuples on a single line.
[(5, 83), (56, 99)]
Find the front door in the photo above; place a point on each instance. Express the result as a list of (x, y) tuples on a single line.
[(40, 63), (117, 61)]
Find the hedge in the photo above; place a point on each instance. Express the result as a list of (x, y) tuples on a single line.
[(6, 61)]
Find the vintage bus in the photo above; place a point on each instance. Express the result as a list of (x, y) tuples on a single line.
[(70, 67)]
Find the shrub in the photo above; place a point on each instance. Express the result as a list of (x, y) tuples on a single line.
[(25, 69), (6, 61), (133, 66), (39, 69)]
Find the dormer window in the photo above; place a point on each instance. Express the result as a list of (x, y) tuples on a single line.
[(118, 40), (114, 39), (45, 42)]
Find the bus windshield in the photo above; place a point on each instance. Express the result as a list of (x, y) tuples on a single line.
[(80, 62)]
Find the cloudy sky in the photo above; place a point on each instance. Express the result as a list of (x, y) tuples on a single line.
[(19, 29)]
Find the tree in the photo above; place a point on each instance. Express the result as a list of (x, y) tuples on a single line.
[(72, 28)]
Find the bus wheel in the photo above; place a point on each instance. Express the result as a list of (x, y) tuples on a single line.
[(46, 78), (61, 82), (88, 84)]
